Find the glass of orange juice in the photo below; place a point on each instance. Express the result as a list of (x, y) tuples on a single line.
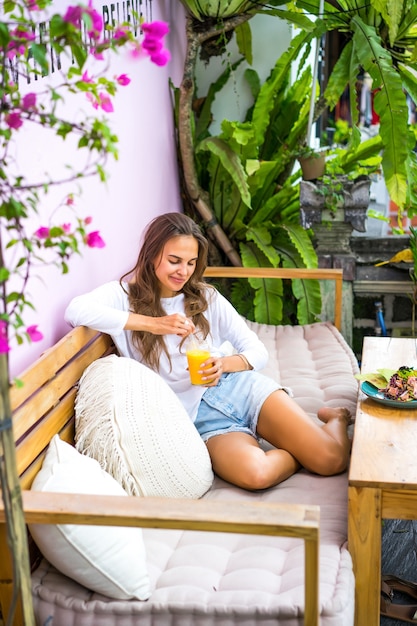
[(197, 353)]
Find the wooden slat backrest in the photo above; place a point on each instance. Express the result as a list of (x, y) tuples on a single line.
[(43, 402), (333, 274)]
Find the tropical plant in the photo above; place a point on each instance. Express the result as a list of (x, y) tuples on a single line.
[(243, 183), (29, 44), (379, 40)]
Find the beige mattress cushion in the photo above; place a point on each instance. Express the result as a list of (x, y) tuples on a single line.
[(205, 579)]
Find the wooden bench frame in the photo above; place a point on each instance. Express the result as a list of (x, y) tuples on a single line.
[(44, 406)]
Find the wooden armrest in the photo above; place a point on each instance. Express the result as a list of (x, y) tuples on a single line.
[(256, 518), (289, 520), (301, 273)]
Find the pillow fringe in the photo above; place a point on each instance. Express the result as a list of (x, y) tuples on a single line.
[(95, 438)]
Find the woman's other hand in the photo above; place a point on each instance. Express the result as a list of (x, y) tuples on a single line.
[(212, 371)]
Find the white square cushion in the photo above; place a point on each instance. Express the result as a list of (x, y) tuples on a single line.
[(133, 424), (108, 560)]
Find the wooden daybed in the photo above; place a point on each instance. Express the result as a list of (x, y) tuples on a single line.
[(282, 553)]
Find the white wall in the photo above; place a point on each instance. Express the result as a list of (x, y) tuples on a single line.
[(270, 38), (142, 183)]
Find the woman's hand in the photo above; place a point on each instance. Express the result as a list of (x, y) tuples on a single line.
[(175, 324), (212, 371)]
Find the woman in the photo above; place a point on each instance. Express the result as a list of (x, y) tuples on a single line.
[(149, 317)]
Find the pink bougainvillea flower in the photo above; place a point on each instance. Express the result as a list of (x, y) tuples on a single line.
[(73, 15), (42, 232), (92, 99), (32, 6), (121, 32), (155, 29), (66, 228), (13, 120), (153, 44), (4, 342), (98, 55), (19, 40), (161, 58), (86, 78), (88, 220), (94, 240), (105, 102), (70, 200), (33, 333), (136, 51), (123, 79), (96, 21), (29, 101)]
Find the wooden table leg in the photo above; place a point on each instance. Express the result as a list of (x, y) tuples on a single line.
[(364, 542)]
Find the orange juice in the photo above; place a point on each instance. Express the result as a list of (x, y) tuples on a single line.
[(197, 356)]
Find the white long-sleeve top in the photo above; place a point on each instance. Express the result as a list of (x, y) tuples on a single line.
[(106, 309)]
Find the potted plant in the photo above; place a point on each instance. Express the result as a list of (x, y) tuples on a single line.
[(312, 162)]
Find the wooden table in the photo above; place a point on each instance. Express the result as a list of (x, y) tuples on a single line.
[(383, 473)]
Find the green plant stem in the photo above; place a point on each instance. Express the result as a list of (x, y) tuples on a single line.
[(12, 498)]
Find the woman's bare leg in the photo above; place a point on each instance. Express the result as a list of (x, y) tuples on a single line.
[(320, 449), (237, 458)]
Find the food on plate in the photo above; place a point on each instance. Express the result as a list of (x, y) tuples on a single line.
[(399, 385)]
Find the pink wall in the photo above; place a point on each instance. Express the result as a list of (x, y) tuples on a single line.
[(142, 183)]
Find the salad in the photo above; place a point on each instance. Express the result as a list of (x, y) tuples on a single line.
[(400, 384)]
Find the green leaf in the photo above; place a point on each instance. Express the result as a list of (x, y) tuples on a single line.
[(80, 53), (253, 80), (391, 12), (244, 41), (309, 303), (4, 274), (261, 236), (230, 162), (302, 243), (268, 305), (57, 27), (265, 101), (339, 77), (39, 53), (391, 105), (4, 35)]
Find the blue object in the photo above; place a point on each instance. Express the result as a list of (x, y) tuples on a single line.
[(381, 329)]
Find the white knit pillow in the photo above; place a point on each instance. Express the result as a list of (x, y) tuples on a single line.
[(133, 424)]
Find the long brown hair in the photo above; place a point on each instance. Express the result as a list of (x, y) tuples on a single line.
[(144, 290)]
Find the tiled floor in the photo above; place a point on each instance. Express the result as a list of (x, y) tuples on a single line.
[(399, 555)]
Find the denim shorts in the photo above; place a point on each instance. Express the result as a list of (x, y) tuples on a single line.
[(234, 404)]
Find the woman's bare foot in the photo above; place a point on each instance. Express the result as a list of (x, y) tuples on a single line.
[(327, 413)]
